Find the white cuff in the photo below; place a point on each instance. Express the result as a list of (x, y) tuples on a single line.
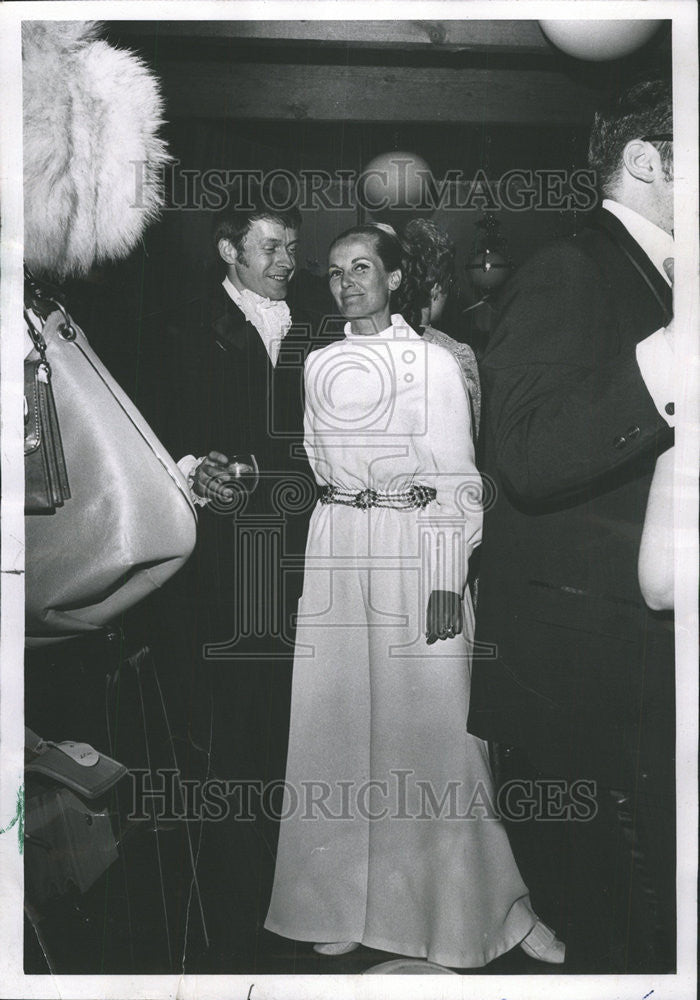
[(656, 362), (188, 465)]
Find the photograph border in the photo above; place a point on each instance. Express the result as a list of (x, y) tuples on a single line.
[(13, 982)]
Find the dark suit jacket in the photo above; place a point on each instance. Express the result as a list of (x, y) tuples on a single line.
[(582, 673), (217, 390)]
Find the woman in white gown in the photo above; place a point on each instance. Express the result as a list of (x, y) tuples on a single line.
[(389, 836)]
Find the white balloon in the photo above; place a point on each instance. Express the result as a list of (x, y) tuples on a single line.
[(599, 40), (394, 181)]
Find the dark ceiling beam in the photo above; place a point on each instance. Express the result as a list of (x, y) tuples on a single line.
[(451, 35), (372, 94)]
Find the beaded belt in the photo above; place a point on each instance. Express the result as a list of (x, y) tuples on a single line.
[(413, 498)]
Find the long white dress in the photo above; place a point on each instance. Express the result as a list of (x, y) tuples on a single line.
[(388, 834)]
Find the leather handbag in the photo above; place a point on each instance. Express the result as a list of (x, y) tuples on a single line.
[(129, 523)]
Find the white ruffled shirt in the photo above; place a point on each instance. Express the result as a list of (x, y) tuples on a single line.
[(270, 317)]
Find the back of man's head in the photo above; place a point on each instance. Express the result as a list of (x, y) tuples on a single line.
[(644, 110)]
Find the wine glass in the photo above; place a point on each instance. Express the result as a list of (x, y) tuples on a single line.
[(242, 472)]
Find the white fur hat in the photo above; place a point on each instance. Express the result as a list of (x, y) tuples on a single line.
[(92, 157)]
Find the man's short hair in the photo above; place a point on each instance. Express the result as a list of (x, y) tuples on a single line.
[(644, 109), (234, 224)]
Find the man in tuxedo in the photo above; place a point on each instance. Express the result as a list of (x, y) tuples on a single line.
[(232, 391), (575, 675), (236, 404)]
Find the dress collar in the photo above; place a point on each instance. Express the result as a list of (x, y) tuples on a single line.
[(399, 330)]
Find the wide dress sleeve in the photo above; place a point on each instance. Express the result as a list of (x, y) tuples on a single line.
[(455, 517), (309, 428)]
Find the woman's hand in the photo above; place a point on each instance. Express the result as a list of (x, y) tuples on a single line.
[(443, 619)]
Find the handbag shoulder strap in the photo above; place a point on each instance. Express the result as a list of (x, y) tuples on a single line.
[(36, 335), (39, 302)]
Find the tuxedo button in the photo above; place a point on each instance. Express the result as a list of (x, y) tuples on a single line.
[(620, 441), (632, 432), (670, 409)]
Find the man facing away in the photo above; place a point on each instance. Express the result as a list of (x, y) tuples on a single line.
[(579, 683)]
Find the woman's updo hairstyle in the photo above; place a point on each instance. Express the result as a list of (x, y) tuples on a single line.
[(390, 250), (429, 261)]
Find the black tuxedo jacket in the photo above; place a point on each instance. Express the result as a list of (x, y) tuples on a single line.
[(572, 665), (216, 389), (221, 391)]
